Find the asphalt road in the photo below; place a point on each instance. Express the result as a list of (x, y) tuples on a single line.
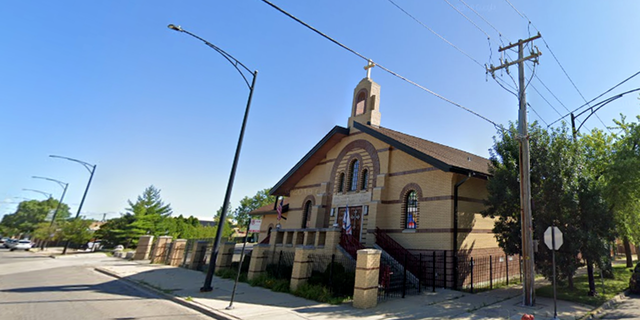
[(39, 287)]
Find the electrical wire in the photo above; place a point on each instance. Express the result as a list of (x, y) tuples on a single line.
[(554, 57), (437, 34), (600, 95), (500, 127)]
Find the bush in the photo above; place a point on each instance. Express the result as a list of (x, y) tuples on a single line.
[(266, 281), (279, 272), (340, 282), (231, 274)]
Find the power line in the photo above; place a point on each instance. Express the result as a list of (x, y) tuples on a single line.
[(439, 36), (462, 14), (555, 58), (381, 67), (600, 95)]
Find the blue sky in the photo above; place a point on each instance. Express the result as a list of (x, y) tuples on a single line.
[(106, 82)]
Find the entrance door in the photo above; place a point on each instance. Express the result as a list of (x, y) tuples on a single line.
[(355, 215)]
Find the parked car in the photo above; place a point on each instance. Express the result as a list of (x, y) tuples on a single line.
[(9, 243), (21, 245), (3, 240), (634, 282)]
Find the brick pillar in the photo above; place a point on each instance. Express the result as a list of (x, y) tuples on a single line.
[(301, 267), (365, 292), (225, 255), (160, 249), (198, 254), (258, 263), (332, 240), (176, 256), (143, 249)]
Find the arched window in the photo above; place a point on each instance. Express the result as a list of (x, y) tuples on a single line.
[(365, 179), (341, 183), (411, 208), (361, 102), (353, 182), (306, 215)]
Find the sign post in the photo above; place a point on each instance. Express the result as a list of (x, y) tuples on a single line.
[(553, 240)]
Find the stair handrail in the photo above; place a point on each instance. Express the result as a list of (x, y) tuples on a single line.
[(398, 252), (350, 244)]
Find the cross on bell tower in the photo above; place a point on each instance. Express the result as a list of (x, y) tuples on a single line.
[(366, 101)]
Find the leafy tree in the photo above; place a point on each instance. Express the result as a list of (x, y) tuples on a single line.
[(76, 231), (32, 212), (261, 198), (559, 192), (622, 183)]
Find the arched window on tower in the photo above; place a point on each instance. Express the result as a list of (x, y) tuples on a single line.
[(411, 209), (353, 170), (341, 183), (361, 103), (306, 215), (365, 179)]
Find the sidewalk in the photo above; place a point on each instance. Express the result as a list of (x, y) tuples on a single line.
[(182, 285)]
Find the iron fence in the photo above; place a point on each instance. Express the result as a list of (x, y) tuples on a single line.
[(280, 264), (335, 272)]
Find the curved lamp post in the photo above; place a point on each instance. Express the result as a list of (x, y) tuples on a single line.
[(92, 169), (242, 69), (46, 194), (62, 185)]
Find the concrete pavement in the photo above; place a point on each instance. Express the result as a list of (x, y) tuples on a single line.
[(251, 302)]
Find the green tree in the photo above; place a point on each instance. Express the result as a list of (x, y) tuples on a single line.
[(557, 188), (76, 231), (260, 199), (32, 212)]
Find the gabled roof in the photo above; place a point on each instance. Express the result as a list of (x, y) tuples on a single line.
[(309, 161), (440, 156), (445, 158)]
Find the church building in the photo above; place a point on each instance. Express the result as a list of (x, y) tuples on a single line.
[(423, 195)]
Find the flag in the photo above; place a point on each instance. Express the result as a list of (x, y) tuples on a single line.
[(280, 209), (346, 222)]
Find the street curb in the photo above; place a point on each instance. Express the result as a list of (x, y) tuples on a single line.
[(605, 306), (189, 304)]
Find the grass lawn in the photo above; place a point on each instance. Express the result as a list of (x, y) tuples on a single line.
[(611, 286)]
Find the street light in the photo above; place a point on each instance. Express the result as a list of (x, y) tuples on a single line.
[(92, 169), (64, 186), (46, 194), (214, 254)]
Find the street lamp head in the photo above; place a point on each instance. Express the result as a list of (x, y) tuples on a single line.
[(174, 27)]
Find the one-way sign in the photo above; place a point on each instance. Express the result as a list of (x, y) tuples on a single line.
[(550, 234)]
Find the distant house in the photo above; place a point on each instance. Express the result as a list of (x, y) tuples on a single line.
[(94, 226)]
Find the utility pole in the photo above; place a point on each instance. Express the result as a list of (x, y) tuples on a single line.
[(525, 181)]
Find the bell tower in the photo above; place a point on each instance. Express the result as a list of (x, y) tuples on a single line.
[(365, 107)]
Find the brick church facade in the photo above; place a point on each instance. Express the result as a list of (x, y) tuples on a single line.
[(424, 195)]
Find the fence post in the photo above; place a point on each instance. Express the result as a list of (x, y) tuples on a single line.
[(444, 269), (278, 267), (434, 271), (471, 274), (404, 278), (520, 264), (490, 272), (301, 270), (455, 270), (506, 260), (365, 292), (420, 273), (258, 262), (333, 259), (144, 248)]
